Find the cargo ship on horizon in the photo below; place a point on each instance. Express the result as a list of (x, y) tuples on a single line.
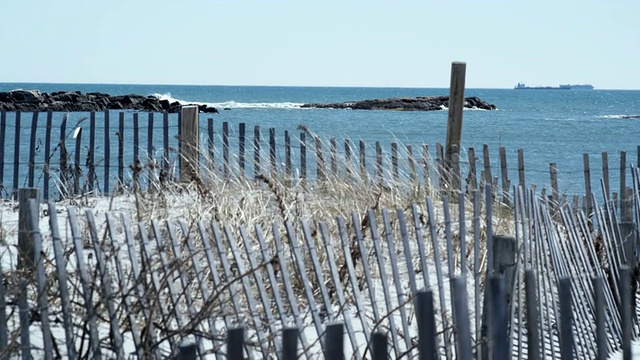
[(522, 86)]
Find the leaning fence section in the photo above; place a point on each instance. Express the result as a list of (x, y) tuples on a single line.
[(450, 277)]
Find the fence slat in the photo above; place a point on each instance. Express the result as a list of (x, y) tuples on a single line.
[(283, 269), (4, 336), (472, 181), (333, 150), (250, 296), (521, 168), (126, 298), (623, 184), (499, 343), (347, 156), (290, 343), (94, 340), (364, 262), (505, 176), (256, 151), (105, 287), (262, 290), (272, 152), (533, 330), (211, 146), (24, 315), (77, 168), (566, 319), (287, 155), (107, 152), (320, 163), (235, 340), (151, 159), (463, 331), (338, 287), (3, 133), (16, 154), (412, 164), (91, 158), (394, 161), (242, 129), (363, 160), (427, 335), (32, 149), (165, 140), (225, 148), (121, 149), (303, 156), (587, 182), (334, 342), (34, 230)]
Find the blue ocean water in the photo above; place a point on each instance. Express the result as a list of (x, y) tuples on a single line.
[(549, 125)]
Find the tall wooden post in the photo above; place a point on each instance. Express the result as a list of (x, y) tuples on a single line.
[(454, 123), (189, 149), (26, 248)]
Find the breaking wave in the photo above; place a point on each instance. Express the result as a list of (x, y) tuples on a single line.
[(232, 104), (619, 116)]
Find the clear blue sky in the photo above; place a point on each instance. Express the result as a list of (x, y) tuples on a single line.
[(323, 43)]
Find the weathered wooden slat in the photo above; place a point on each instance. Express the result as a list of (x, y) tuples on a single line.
[(379, 344), (3, 133), (391, 249), (425, 316), (533, 330), (287, 154), (47, 157), (605, 172), (41, 279), (440, 168), (462, 233), (91, 157), (505, 176), (262, 290), (364, 262), (461, 316), (126, 296), (383, 278), (623, 185), (412, 164), (139, 274), (327, 304), (32, 149), (279, 262), (248, 291), (136, 138), (151, 158), (61, 273), (94, 340), (185, 283), (168, 272), (77, 168), (379, 173), (211, 146), (290, 343), (498, 324), (242, 141), (24, 316), (333, 155), (488, 178), (303, 156), (553, 173), (302, 272), (477, 266), (406, 247), (334, 342), (231, 286), (587, 182), (165, 140), (4, 331), (272, 152), (521, 181), (350, 263), (425, 166), (394, 161), (338, 286), (566, 319), (347, 156), (105, 287), (107, 152), (16, 154), (600, 317), (120, 149), (225, 148), (363, 160), (212, 267), (321, 168), (235, 342), (440, 276), (417, 227), (257, 170)]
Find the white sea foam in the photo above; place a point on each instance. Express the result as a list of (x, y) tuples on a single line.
[(233, 104), (615, 116)]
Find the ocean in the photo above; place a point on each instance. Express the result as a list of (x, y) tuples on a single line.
[(549, 125)]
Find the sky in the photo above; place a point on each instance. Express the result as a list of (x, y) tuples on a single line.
[(373, 43)]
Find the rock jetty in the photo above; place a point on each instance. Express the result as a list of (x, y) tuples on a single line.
[(420, 103), (34, 100)]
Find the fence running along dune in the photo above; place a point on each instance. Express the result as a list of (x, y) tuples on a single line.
[(104, 153)]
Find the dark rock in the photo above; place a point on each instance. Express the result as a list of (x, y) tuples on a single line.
[(226, 109), (33, 100), (421, 103)]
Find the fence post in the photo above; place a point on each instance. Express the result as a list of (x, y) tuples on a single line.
[(189, 131), (454, 121), (334, 341), (25, 241)]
